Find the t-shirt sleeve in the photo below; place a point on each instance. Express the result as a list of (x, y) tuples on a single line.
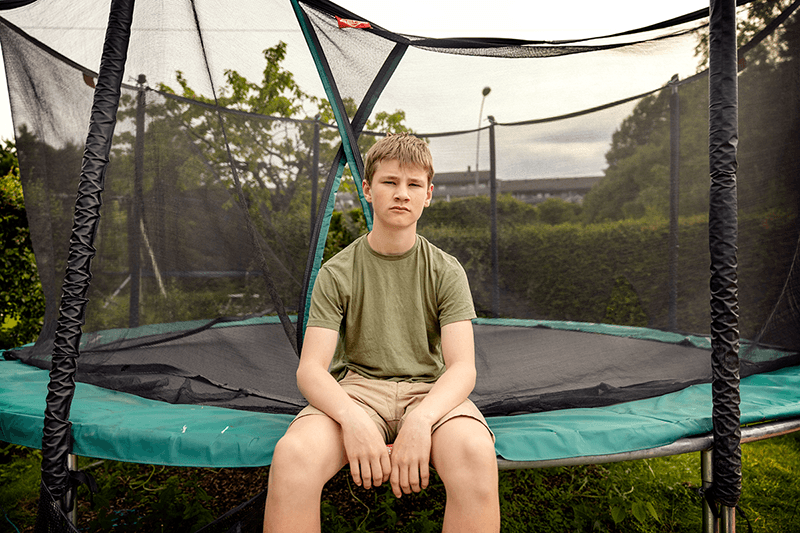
[(327, 304), (455, 299)]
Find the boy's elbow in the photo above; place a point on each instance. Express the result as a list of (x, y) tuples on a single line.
[(301, 375), (308, 374), (467, 374), (472, 375)]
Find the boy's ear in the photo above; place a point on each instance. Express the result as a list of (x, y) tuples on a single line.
[(429, 195), (367, 190)]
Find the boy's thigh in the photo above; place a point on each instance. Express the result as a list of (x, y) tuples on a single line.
[(363, 395), (467, 409), (388, 404)]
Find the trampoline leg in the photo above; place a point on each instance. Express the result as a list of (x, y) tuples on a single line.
[(727, 515), (710, 524), (727, 519), (72, 465)]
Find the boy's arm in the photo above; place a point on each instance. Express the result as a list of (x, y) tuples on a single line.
[(411, 450), (364, 447)]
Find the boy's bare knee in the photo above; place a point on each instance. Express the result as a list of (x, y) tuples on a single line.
[(306, 454), (464, 454), (291, 450), (477, 447), (464, 457)]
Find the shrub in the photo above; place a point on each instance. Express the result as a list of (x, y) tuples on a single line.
[(21, 299)]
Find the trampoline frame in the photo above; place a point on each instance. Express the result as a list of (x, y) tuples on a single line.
[(714, 520)]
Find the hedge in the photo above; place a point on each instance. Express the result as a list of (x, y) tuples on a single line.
[(618, 271)]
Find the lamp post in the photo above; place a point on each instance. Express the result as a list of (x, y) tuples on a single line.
[(486, 91)]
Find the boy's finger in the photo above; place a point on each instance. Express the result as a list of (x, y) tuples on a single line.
[(355, 471), (424, 476), (386, 467), (413, 478), (394, 479), (405, 479), (366, 476), (377, 473)]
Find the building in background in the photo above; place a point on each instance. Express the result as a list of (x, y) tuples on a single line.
[(450, 185)]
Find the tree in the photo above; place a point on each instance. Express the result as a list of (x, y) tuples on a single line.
[(273, 157), (269, 136), (171, 183), (758, 15), (636, 182), (21, 300), (637, 171)]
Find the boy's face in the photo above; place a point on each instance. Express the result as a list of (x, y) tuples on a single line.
[(398, 194)]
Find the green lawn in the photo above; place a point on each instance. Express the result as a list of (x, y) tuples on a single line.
[(639, 496)]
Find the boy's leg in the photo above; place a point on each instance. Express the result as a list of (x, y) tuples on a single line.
[(462, 451), (305, 458)]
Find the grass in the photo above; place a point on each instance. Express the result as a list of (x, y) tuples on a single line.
[(638, 496)]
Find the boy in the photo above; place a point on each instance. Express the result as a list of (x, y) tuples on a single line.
[(388, 357)]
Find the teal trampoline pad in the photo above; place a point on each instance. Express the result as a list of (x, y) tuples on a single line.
[(119, 426)]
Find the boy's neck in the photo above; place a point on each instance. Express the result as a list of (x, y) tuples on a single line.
[(389, 242)]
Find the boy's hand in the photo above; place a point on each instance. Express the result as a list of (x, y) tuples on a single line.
[(411, 456), (365, 449)]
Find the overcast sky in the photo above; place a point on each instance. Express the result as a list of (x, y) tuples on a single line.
[(533, 19), (536, 19)]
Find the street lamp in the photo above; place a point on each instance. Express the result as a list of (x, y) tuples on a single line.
[(486, 91)]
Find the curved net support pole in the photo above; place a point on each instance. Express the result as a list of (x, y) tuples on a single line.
[(348, 153), (723, 229), (56, 441), (346, 133)]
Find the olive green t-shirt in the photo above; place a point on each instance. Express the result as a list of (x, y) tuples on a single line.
[(389, 309)]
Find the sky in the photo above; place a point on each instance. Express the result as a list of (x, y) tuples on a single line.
[(535, 19)]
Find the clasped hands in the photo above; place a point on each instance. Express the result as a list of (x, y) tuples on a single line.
[(371, 463)]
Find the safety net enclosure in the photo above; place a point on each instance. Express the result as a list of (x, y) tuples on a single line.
[(224, 142)]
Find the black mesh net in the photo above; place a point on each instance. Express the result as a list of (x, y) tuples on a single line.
[(50, 518), (184, 298)]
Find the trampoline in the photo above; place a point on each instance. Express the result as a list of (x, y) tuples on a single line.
[(175, 337), (533, 425)]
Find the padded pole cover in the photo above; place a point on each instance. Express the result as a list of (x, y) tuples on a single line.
[(56, 442), (723, 229)]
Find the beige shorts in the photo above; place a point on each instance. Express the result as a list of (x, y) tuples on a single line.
[(389, 402)]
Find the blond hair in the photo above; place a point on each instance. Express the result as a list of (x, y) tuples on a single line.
[(405, 148)]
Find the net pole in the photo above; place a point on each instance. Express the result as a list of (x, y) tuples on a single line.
[(56, 434), (346, 134), (137, 203), (674, 190), (723, 234), (315, 174), (352, 129), (493, 196)]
